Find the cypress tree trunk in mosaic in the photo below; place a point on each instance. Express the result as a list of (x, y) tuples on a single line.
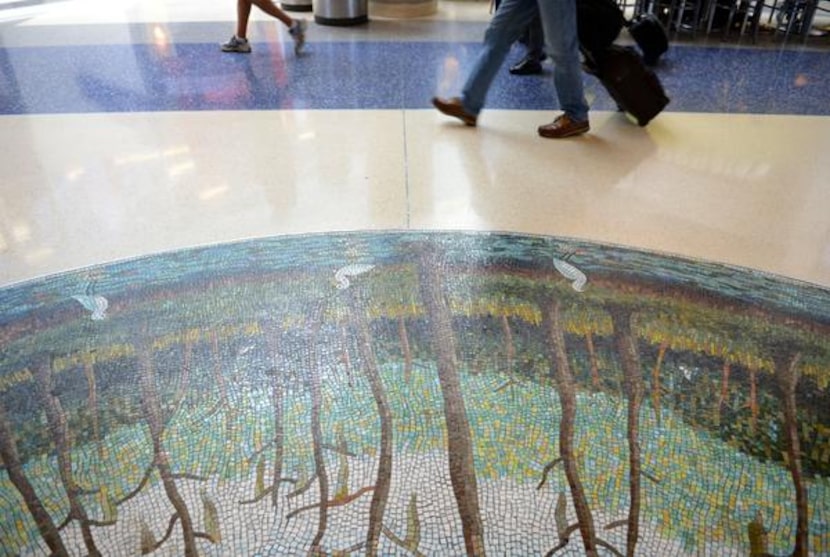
[(219, 377), (656, 389), (277, 399), (753, 400), (459, 441), (345, 358), (405, 349), (787, 377), (92, 402), (279, 438), (384, 477), (593, 360), (724, 391), (184, 376), (626, 345), (59, 430), (317, 434), (152, 414), (552, 322), (510, 346), (14, 468)]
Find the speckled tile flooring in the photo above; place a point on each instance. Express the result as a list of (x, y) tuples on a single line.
[(277, 305)]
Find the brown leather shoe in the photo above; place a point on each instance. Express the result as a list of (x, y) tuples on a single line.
[(453, 107), (564, 126)]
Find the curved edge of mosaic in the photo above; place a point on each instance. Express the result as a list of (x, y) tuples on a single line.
[(414, 393)]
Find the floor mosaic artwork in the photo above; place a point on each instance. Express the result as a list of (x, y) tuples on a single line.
[(414, 393)]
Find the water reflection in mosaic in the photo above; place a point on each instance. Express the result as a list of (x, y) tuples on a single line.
[(414, 394)]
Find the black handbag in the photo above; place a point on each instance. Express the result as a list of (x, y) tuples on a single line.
[(598, 23)]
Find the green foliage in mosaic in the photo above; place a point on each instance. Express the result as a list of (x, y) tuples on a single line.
[(707, 420)]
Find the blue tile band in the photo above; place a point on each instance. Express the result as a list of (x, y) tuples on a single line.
[(376, 75)]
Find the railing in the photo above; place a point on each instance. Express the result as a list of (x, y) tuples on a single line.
[(780, 20)]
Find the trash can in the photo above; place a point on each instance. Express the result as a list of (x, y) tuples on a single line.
[(341, 12), (296, 5)]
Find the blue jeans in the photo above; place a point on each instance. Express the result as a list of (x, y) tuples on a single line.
[(507, 25)]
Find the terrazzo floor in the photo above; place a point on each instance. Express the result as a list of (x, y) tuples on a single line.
[(277, 305)]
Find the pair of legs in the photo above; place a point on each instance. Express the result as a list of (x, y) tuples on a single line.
[(559, 26), (243, 14), (239, 42)]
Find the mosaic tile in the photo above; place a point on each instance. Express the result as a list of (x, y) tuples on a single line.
[(414, 394)]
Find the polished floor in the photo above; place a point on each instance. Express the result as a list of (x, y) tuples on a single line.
[(126, 131), (216, 266)]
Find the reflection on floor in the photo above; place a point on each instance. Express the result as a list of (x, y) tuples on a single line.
[(414, 394), (296, 389)]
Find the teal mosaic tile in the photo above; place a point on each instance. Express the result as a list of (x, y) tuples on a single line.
[(414, 393)]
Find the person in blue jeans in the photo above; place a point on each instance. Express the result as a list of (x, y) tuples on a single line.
[(506, 26)]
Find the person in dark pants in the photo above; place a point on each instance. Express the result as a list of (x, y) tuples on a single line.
[(511, 18), (534, 41)]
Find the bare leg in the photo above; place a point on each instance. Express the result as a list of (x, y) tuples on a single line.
[(243, 12), (271, 9)]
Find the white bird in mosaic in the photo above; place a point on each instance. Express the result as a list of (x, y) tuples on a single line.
[(571, 273), (96, 304), (343, 274)]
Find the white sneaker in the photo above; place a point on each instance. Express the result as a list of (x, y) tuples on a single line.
[(237, 45), (297, 32)]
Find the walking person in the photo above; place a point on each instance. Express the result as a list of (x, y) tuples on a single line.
[(533, 40), (239, 42), (560, 31)]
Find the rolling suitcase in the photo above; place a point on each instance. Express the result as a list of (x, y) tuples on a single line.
[(633, 85), (650, 36)]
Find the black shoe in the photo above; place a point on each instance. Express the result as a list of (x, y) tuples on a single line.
[(527, 66)]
